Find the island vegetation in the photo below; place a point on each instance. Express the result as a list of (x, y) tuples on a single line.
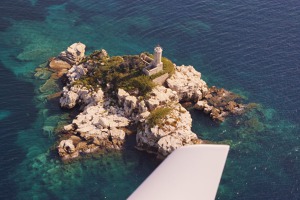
[(120, 72)]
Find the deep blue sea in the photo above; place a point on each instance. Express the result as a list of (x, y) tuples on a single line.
[(249, 47)]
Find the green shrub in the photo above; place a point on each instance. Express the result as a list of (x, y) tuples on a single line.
[(156, 116), (168, 67), (122, 72), (143, 83)]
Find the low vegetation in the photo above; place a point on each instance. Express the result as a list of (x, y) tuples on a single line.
[(167, 68), (142, 83), (120, 72), (156, 116)]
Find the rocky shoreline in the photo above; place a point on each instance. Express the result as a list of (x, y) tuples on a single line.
[(108, 111)]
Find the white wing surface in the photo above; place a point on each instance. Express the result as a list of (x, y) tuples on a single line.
[(190, 172)]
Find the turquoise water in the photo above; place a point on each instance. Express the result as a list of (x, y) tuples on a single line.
[(248, 47)]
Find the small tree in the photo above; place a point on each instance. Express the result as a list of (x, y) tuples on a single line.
[(143, 83)]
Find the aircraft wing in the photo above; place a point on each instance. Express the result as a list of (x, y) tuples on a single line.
[(190, 172)]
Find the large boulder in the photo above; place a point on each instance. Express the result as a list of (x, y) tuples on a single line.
[(66, 149), (117, 137), (200, 105), (68, 99), (187, 82), (102, 54), (74, 54), (122, 94), (112, 121)]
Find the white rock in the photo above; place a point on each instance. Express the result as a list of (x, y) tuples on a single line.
[(68, 99), (200, 105), (76, 72), (187, 82), (117, 134), (175, 132), (104, 122), (143, 116), (130, 104), (79, 94), (122, 94), (161, 96), (67, 146), (85, 129), (207, 108), (69, 127), (142, 107), (74, 53), (168, 144), (127, 102)]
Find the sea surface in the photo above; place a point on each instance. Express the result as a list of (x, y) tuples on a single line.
[(249, 47)]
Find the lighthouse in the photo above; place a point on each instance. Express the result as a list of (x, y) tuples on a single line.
[(157, 56), (155, 65)]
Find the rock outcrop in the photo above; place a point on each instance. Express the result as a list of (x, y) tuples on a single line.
[(74, 54), (66, 59), (219, 103), (108, 113), (173, 132), (97, 127), (78, 94), (102, 124), (188, 84)]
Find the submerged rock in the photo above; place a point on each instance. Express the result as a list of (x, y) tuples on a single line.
[(58, 64), (219, 103), (42, 73), (49, 87)]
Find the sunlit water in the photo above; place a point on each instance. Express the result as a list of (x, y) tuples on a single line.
[(251, 48)]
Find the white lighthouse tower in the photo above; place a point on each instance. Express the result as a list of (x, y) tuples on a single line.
[(157, 56)]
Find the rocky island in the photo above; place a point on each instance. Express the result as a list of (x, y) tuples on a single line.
[(132, 94)]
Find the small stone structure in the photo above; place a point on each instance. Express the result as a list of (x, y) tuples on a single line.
[(154, 65), (161, 79)]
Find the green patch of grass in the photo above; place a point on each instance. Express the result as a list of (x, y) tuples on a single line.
[(168, 67), (156, 116)]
